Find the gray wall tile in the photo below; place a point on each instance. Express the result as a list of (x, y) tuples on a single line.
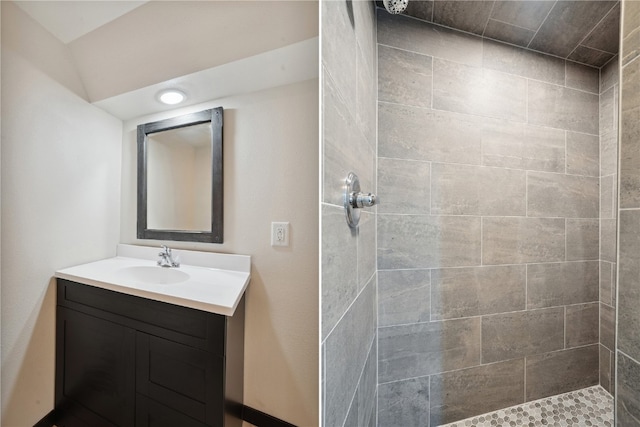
[(563, 108), (339, 278), (344, 147), (550, 285), (582, 77), (404, 186), (404, 403), (630, 86), (468, 392), (416, 36), (421, 10), (525, 14), (366, 97), (522, 240), (404, 77), (602, 37), (513, 335), (498, 30), (366, 392), (583, 154), (607, 326), (628, 284), (466, 16), (587, 55), (583, 239), (630, 18), (581, 324), (608, 111), (608, 240), (452, 138), (606, 276), (521, 146), (630, 51), (418, 241), (524, 63), (607, 197), (609, 75), (557, 195), (403, 297), (605, 369), (465, 292), (339, 49), (630, 159), (567, 24), (477, 190), (628, 392), (347, 350), (473, 90), (562, 371), (409, 351), (366, 248), (609, 153)]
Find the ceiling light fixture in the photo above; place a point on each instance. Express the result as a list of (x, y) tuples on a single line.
[(171, 96)]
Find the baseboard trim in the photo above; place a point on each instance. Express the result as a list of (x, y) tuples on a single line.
[(250, 415), (260, 419), (47, 421)]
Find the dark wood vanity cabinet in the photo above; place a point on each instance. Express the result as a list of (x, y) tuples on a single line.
[(127, 361)]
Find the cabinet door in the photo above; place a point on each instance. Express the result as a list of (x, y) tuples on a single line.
[(95, 369), (150, 413), (186, 379)]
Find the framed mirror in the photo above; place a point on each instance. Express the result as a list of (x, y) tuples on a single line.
[(180, 178)]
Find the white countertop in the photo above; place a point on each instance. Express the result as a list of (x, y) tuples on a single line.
[(215, 282)]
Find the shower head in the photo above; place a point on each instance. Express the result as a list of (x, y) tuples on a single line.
[(395, 6)]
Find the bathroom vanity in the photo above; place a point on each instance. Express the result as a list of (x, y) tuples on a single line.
[(141, 345)]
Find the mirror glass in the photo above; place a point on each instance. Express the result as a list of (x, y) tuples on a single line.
[(180, 178)]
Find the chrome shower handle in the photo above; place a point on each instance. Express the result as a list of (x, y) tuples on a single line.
[(362, 200), (354, 199)]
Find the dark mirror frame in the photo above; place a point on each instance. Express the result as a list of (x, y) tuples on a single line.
[(215, 116)]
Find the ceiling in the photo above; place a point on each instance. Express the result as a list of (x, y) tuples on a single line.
[(119, 47), (584, 31), (69, 20)]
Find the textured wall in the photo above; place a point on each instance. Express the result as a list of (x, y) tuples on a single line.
[(348, 256), (488, 227), (628, 299), (609, 105), (60, 203)]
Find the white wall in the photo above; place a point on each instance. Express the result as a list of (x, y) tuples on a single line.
[(270, 174), (60, 177)]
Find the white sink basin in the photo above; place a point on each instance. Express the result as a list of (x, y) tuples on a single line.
[(153, 274), (206, 281)]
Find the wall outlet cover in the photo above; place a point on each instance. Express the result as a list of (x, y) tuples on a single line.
[(279, 234)]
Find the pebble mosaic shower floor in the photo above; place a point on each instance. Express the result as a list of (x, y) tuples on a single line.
[(591, 406)]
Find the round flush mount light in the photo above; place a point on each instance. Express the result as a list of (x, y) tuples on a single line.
[(171, 96)]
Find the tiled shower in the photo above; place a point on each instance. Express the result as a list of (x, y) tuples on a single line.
[(488, 230), (495, 236)]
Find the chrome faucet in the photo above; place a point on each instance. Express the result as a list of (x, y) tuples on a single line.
[(166, 258)]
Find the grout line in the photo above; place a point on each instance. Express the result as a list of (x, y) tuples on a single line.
[(541, 24), (486, 24)]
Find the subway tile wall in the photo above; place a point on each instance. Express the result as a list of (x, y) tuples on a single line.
[(348, 271), (488, 229), (627, 375)]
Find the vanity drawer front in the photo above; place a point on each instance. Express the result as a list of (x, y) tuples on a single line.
[(186, 379), (187, 325), (150, 413)]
